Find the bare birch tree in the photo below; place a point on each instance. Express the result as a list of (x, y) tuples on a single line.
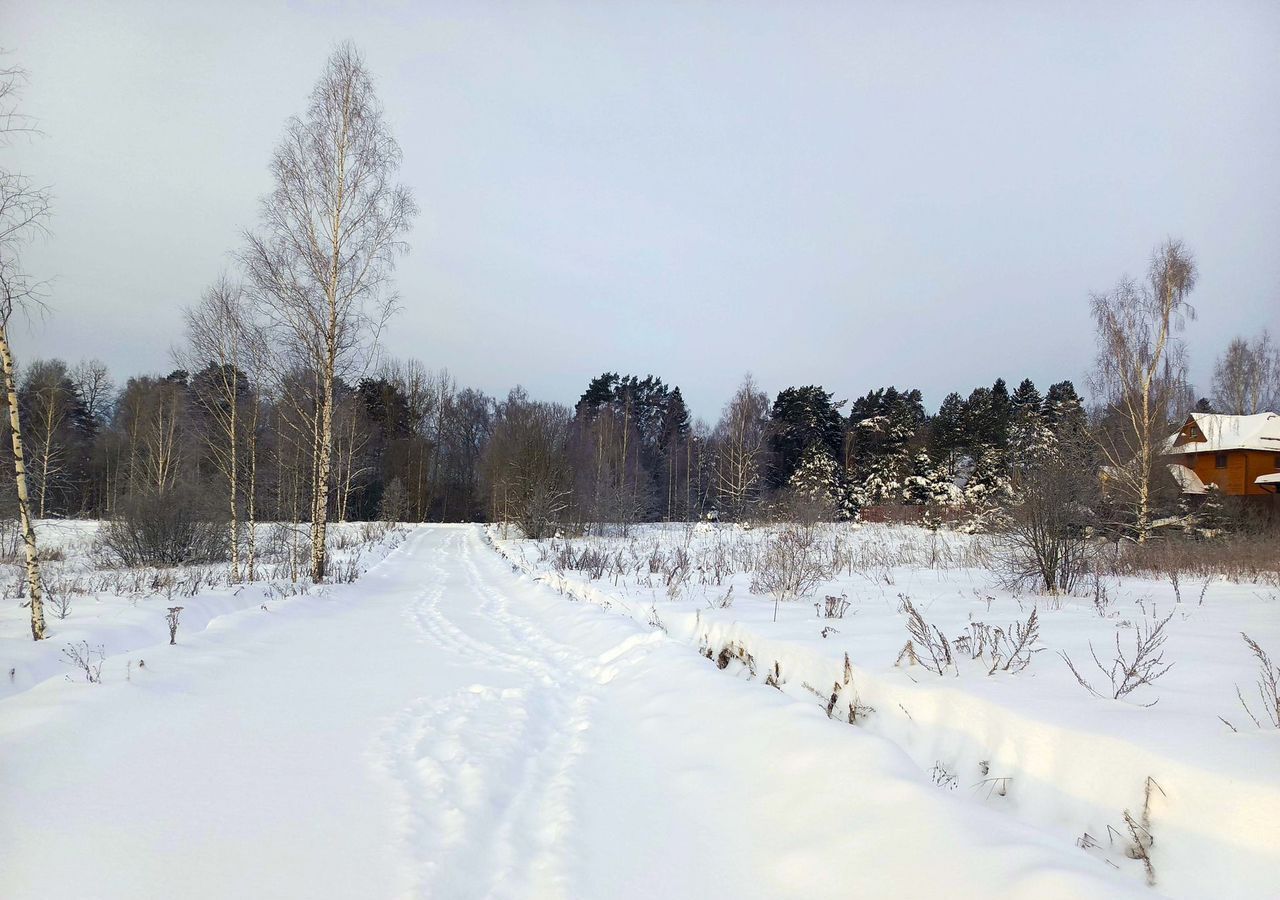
[(329, 234), (24, 214), (93, 382), (1246, 378), (1140, 373), (741, 439), (217, 341)]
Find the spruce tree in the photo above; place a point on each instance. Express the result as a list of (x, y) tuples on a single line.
[(947, 430), (817, 480), (1025, 401), (1063, 408), (802, 417)]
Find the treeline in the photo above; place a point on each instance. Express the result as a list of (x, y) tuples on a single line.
[(629, 451), (407, 443), (410, 444)]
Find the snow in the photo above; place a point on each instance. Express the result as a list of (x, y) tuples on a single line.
[(452, 724), (1188, 481), (1075, 762)]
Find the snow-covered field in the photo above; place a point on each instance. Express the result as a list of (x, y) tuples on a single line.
[(121, 610), (1159, 767), (450, 724)]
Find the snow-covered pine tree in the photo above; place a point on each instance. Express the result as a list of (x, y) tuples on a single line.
[(1063, 408), (884, 424), (817, 479), (1030, 439), (987, 488), (930, 483)]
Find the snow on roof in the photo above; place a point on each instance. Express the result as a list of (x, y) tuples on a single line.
[(1273, 478), (1257, 432), (1188, 481)]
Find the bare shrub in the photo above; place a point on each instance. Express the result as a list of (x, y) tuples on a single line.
[(1006, 649), (88, 660), (1098, 592), (173, 528), (1045, 542), (1130, 671), (58, 593), (1246, 557), (1268, 685), (790, 566)]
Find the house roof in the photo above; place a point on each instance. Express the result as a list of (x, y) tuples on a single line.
[(1188, 481), (1214, 433)]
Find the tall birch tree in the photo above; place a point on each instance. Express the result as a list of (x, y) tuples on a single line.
[(217, 339), (24, 214), (741, 440), (321, 258), (1140, 373)]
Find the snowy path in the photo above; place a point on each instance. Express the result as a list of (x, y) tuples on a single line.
[(445, 728)]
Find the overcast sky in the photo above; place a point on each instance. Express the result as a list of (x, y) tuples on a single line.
[(919, 194)]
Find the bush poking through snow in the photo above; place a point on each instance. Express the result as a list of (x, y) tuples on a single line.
[(927, 645), (172, 619), (86, 659), (1045, 541), (722, 602), (57, 599), (171, 529), (1008, 649), (791, 566), (833, 607), (1142, 840), (1128, 672), (944, 777), (1268, 686), (732, 651)]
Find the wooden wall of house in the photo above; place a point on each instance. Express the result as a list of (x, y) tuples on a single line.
[(1243, 466)]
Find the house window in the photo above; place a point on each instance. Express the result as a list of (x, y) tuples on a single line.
[(1220, 460)]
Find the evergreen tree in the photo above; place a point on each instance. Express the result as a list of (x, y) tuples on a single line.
[(802, 417), (947, 431), (930, 484), (987, 487), (1001, 413), (817, 479), (1029, 438), (977, 421), (1063, 408), (1025, 401), (883, 426), (627, 432)]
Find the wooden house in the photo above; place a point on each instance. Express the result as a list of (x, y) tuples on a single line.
[(1240, 454)]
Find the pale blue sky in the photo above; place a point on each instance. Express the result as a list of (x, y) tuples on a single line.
[(850, 194)]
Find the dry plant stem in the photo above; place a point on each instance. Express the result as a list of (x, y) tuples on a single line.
[(1268, 686)]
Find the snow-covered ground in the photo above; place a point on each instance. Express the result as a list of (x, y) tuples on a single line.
[(1035, 746), (448, 725)]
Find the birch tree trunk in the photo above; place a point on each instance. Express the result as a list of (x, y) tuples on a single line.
[(320, 511), (34, 583), (251, 525)]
